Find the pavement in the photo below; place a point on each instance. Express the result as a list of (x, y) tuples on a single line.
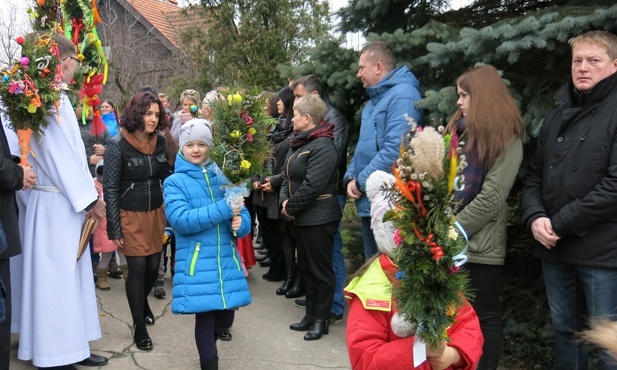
[(261, 335)]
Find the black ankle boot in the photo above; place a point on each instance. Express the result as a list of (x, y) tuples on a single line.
[(297, 289), (210, 365), (303, 325), (141, 337), (319, 328), (289, 279), (148, 316)]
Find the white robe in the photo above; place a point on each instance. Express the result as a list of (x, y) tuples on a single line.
[(56, 313)]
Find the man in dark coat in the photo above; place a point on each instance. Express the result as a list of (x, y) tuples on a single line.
[(570, 197), (13, 177)]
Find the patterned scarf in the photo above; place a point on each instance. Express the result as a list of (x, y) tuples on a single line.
[(474, 172), (298, 139)]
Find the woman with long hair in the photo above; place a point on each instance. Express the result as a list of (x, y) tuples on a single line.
[(135, 166), (489, 123), (282, 244)]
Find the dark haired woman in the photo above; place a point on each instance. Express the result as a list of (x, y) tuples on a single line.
[(135, 167), (110, 117), (489, 123), (293, 285)]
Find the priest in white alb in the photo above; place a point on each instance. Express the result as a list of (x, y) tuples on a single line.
[(56, 313)]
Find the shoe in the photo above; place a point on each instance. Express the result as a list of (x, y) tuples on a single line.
[(297, 290), (159, 292), (125, 271), (262, 258), (101, 282), (319, 328), (303, 325), (209, 365), (149, 320), (290, 276), (335, 318), (114, 270), (301, 303), (93, 360), (148, 316), (224, 336), (266, 262), (141, 337)]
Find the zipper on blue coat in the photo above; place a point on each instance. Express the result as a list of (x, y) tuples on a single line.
[(194, 260), (218, 232), (233, 253), (376, 142)]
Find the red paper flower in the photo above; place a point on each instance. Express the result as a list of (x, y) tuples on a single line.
[(20, 40)]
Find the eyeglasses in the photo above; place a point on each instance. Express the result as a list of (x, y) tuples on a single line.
[(75, 59)]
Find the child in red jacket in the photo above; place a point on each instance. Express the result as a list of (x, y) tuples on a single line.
[(377, 338)]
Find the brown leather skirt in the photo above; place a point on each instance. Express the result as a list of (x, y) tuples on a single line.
[(142, 232)]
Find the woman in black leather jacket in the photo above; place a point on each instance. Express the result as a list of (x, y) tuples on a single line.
[(135, 167), (308, 196)]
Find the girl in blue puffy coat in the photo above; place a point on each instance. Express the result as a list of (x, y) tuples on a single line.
[(209, 280)]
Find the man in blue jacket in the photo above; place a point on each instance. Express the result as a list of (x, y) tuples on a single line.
[(393, 92)]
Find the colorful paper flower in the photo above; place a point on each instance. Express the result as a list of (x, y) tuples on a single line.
[(397, 237), (245, 165), (20, 40), (235, 134), (24, 61)]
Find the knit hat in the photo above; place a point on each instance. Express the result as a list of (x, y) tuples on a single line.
[(196, 129), (380, 204)]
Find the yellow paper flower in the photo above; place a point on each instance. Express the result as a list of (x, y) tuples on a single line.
[(245, 165), (235, 134), (252, 131), (452, 233), (234, 98)]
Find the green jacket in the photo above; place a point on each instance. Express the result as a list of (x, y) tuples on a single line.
[(485, 218)]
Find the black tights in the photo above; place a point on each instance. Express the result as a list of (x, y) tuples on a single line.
[(208, 326), (288, 246), (143, 271)]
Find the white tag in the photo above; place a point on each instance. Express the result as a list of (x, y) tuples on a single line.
[(419, 351)]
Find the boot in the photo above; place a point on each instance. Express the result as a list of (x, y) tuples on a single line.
[(125, 271), (114, 270), (101, 282), (289, 279), (319, 328), (141, 337), (297, 290), (210, 365), (305, 324)]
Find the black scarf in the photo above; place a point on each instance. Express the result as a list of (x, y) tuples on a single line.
[(281, 131)]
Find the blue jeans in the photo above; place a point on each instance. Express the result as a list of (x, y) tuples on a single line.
[(370, 245), (568, 287), (338, 265)]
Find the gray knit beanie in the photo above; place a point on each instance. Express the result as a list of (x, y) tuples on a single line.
[(196, 129)]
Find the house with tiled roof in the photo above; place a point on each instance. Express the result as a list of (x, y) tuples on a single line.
[(142, 41)]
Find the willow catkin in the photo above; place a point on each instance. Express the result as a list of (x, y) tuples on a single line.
[(604, 334)]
